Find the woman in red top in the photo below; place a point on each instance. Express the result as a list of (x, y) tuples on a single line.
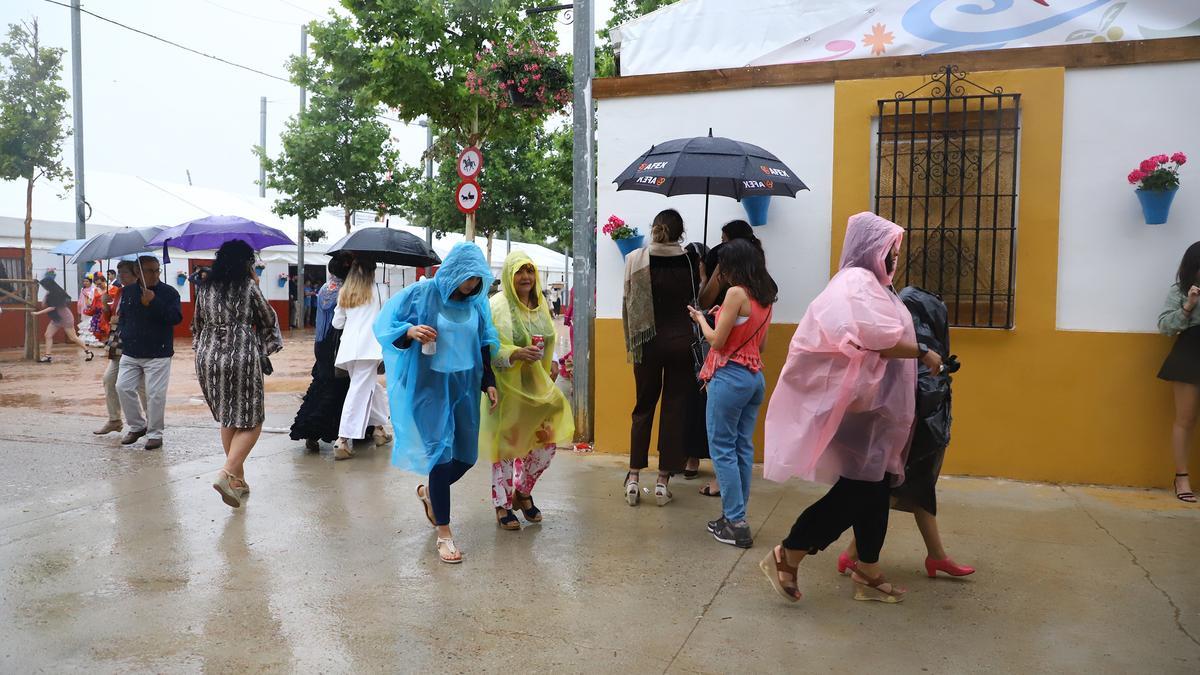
[(733, 373), (99, 318)]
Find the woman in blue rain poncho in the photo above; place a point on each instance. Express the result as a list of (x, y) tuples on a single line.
[(438, 343)]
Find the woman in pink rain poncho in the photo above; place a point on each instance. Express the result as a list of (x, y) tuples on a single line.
[(842, 412)]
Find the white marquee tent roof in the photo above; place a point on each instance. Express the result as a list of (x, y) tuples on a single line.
[(119, 200), (707, 34)]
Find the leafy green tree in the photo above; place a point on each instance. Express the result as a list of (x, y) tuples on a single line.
[(525, 190), (413, 56), (335, 153), (623, 10), (32, 131)]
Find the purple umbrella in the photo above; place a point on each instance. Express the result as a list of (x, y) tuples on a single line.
[(211, 232)]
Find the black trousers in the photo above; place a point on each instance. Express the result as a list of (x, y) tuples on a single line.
[(441, 477), (857, 504), (666, 372)]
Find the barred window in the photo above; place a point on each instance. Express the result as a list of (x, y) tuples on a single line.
[(11, 268), (946, 171)]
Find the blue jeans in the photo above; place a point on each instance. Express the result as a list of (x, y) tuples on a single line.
[(734, 395)]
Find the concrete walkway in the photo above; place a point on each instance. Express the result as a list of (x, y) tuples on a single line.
[(331, 568), (118, 560)]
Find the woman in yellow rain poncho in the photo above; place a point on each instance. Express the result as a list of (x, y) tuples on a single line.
[(533, 417)]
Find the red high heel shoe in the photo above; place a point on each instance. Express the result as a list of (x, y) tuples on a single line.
[(932, 567), (844, 563)]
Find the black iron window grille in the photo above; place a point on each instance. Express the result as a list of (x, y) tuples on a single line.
[(946, 171)]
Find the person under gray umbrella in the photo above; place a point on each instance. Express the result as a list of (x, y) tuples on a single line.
[(149, 311)]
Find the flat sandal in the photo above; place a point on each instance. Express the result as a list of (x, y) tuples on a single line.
[(1189, 497)]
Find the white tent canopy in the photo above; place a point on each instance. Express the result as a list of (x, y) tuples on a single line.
[(131, 201), (707, 34)]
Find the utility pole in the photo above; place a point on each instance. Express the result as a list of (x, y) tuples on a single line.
[(428, 175), (77, 122), (583, 223), (300, 220), (262, 142), (508, 240)]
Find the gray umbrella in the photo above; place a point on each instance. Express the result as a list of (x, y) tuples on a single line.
[(109, 245), (385, 245)]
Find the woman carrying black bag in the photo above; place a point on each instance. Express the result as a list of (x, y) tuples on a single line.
[(696, 439), (321, 411), (931, 435)]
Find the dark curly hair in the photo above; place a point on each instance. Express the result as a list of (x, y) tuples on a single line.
[(1189, 268), (234, 266), (742, 264)]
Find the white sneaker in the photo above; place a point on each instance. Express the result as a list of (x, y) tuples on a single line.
[(342, 449)]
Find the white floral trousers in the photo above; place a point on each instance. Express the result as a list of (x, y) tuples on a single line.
[(519, 474)]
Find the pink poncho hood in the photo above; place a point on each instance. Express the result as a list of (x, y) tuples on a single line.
[(840, 409)]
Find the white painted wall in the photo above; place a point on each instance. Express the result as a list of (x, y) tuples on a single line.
[(1114, 270), (794, 123)]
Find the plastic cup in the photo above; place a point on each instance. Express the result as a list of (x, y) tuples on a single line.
[(429, 348)]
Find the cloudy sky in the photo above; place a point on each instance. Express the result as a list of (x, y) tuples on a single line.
[(157, 111)]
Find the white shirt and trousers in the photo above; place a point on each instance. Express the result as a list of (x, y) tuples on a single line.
[(360, 356)]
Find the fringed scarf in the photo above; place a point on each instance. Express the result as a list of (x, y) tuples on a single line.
[(637, 314)]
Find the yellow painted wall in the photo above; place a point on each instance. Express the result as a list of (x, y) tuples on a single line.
[(1032, 403)]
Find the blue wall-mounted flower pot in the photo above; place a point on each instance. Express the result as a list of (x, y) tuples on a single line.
[(630, 244), (756, 209), (1156, 204)]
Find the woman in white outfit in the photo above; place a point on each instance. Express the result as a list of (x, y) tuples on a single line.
[(360, 355)]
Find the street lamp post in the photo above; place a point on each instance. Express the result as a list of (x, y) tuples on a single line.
[(583, 207), (424, 122)]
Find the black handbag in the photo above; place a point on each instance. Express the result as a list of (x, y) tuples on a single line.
[(700, 346)]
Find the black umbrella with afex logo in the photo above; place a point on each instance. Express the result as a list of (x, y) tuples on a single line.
[(708, 165)]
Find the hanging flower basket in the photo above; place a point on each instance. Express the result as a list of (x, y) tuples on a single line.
[(524, 76), (1157, 181), (283, 279), (259, 269), (180, 279), (626, 238)]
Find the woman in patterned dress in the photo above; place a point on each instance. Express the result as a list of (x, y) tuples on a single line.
[(233, 331)]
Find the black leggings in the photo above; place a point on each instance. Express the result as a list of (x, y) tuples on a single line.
[(441, 477), (849, 503)]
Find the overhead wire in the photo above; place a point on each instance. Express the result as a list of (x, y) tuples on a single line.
[(172, 42), (251, 16)]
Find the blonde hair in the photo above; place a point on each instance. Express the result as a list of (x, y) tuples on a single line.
[(356, 292)]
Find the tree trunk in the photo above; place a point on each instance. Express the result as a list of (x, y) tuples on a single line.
[(469, 229), (346, 211), (31, 336), (489, 249)]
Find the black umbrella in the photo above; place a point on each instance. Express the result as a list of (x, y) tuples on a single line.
[(705, 165), (385, 245)]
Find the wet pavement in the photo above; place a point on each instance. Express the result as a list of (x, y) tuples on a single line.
[(115, 559)]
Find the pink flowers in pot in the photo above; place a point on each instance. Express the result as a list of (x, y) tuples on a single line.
[(617, 229), (1158, 173), (521, 75)]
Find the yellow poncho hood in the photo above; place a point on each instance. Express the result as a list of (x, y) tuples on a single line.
[(533, 412)]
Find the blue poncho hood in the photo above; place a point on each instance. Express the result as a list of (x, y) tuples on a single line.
[(435, 414)]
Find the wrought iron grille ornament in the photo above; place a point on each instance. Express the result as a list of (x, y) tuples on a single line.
[(946, 170)]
